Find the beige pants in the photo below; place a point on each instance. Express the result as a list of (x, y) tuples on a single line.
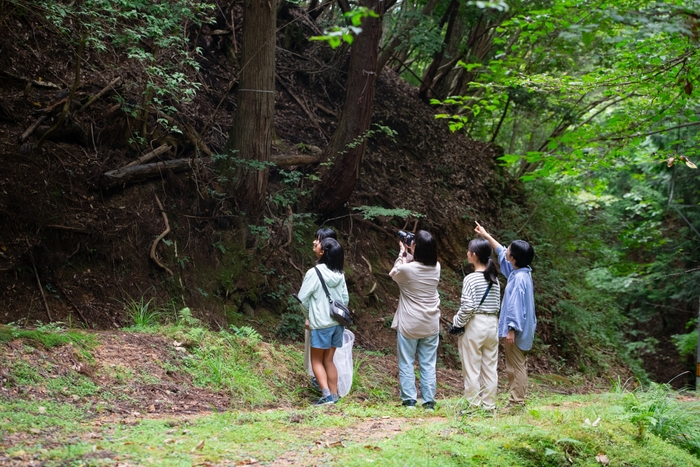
[(516, 369), (478, 350)]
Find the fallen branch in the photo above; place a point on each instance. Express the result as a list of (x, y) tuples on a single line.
[(161, 237), (143, 172), (147, 157), (99, 94), (33, 82), (369, 265), (69, 100), (38, 281), (31, 129), (140, 173), (67, 227)]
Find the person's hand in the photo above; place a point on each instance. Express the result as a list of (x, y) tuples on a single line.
[(510, 338), (402, 248), (480, 230), (455, 331), (307, 325)]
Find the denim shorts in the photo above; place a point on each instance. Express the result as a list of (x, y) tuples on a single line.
[(327, 337)]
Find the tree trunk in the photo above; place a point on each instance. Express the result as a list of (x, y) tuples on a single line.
[(251, 136), (432, 70), (347, 145), (401, 36)]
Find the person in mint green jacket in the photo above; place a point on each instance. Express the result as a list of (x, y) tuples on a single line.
[(326, 333)]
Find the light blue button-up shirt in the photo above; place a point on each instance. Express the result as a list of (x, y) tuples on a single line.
[(518, 307)]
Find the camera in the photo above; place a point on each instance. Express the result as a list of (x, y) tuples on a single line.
[(406, 237)]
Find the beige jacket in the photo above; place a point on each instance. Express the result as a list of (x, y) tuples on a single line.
[(418, 313)]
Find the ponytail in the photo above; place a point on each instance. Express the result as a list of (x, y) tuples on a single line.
[(482, 249), (491, 273)]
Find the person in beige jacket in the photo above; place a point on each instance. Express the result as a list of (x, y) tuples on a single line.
[(417, 318)]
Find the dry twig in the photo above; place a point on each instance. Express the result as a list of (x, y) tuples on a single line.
[(38, 281), (148, 156), (161, 237), (99, 94)]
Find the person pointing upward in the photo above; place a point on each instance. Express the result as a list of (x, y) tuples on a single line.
[(517, 323)]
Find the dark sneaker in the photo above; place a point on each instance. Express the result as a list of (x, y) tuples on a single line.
[(325, 400), (314, 382), (335, 397), (409, 403), (429, 405)]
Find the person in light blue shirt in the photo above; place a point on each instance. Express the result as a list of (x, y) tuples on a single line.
[(517, 323)]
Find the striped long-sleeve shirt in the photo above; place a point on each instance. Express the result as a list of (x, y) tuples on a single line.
[(473, 288)]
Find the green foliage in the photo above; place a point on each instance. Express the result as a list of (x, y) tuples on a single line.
[(687, 344), (150, 35), (247, 333), (581, 318), (582, 89), (379, 129), (372, 212), (49, 335), (658, 411), (185, 318), (291, 326), (337, 34), (142, 314)]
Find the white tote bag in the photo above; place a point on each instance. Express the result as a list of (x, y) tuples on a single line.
[(342, 359)]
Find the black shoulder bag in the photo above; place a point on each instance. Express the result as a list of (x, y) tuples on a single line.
[(458, 331), (339, 312)]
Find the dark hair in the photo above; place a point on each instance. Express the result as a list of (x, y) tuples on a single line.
[(426, 248), (482, 249), (522, 253), (325, 233), (333, 256)]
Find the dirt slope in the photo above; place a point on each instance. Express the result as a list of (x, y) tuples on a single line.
[(89, 246)]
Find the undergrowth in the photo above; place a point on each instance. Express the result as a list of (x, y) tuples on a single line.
[(579, 323)]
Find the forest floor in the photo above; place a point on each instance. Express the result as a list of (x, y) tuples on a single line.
[(180, 395), (74, 251)]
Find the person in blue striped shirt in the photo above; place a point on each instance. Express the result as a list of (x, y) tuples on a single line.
[(517, 323)]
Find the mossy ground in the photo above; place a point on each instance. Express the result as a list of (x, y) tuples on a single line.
[(181, 395)]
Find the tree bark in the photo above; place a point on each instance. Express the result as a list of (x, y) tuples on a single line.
[(348, 142), (251, 135), (432, 70), (400, 36)]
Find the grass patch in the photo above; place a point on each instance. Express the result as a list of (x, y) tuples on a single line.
[(552, 431), (645, 427), (49, 336)]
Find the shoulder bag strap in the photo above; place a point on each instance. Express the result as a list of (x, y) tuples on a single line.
[(488, 289), (325, 289)]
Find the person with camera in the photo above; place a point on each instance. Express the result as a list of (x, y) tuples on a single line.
[(517, 323), (326, 333), (476, 323), (417, 317)]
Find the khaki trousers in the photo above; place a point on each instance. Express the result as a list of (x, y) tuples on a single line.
[(478, 350), (516, 369)]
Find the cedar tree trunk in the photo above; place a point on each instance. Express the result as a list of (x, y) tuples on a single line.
[(347, 145), (401, 36), (432, 70), (251, 135)]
